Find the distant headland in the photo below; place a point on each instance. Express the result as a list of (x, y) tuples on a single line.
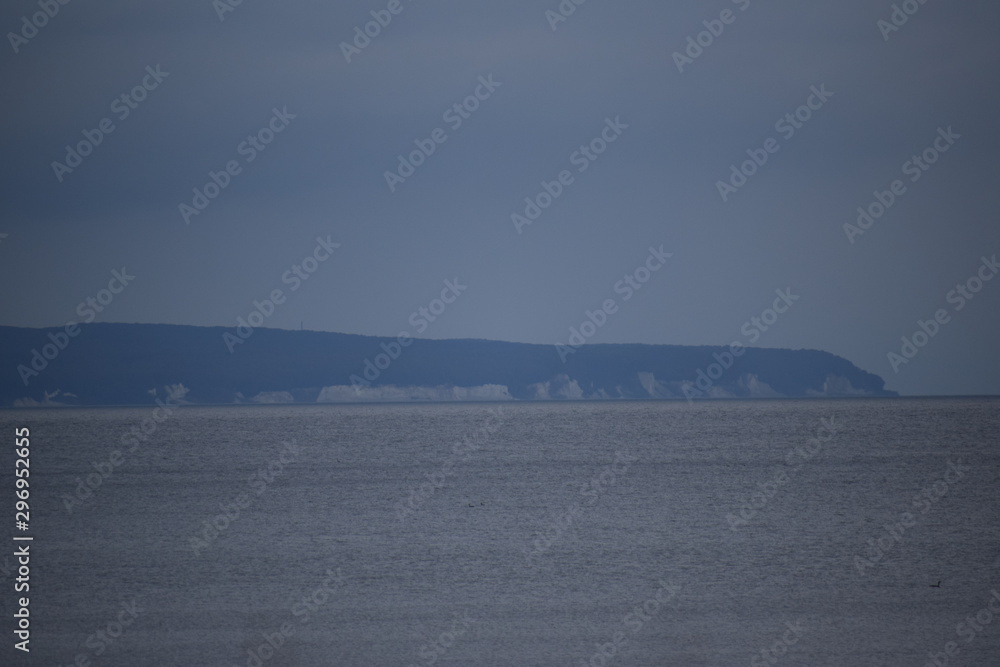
[(125, 364)]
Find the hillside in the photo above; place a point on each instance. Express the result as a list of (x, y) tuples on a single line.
[(119, 364)]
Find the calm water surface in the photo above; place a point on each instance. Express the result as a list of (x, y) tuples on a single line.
[(531, 534)]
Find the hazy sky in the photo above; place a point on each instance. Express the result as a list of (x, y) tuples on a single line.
[(610, 67)]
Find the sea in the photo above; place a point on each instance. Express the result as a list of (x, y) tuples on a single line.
[(759, 532)]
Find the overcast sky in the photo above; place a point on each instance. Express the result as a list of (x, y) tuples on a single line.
[(610, 67)]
